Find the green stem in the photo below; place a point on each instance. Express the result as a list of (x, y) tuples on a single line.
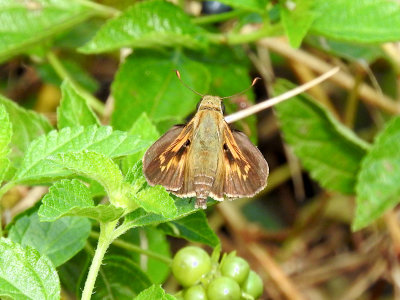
[(132, 247), (103, 10), (105, 239), (217, 17), (238, 38), (63, 74)]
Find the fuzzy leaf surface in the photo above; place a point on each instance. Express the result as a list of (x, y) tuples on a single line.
[(147, 25), (36, 167), (26, 274), (73, 198), (98, 167), (153, 199)]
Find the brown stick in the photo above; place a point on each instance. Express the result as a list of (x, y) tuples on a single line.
[(282, 281)]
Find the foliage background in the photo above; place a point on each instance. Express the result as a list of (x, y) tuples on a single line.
[(326, 227)]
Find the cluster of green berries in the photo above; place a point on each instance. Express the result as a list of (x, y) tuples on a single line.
[(204, 278)]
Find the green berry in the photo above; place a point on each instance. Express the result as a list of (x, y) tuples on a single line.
[(253, 285), (236, 268), (195, 292), (190, 264), (223, 288)]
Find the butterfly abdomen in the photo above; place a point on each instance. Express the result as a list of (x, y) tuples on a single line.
[(202, 187)]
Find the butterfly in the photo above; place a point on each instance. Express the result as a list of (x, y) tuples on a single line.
[(205, 158)]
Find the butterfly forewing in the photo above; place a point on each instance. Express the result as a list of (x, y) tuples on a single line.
[(245, 168), (164, 162)]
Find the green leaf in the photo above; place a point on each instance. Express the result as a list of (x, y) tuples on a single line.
[(147, 132), (36, 167), (153, 199), (73, 198), (194, 228), (154, 292), (252, 5), (327, 149), (59, 240), (140, 217), (368, 21), (26, 23), (120, 278), (297, 17), (73, 109), (100, 168), (156, 200), (27, 125), (147, 24), (5, 139), (146, 83), (378, 187), (26, 274)]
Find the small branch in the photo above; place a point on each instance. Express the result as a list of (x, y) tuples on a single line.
[(131, 247), (63, 74), (282, 281), (275, 100), (102, 10), (393, 227), (217, 17)]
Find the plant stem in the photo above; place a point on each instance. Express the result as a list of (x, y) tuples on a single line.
[(101, 9), (105, 239), (217, 17), (63, 74), (132, 247)]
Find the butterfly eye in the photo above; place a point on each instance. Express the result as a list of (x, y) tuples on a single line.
[(223, 107), (225, 147), (187, 143)]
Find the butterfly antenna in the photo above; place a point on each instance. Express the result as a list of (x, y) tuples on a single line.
[(179, 77), (244, 91)]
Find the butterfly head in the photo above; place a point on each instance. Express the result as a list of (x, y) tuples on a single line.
[(211, 103)]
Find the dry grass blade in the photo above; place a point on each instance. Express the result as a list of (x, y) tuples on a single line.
[(275, 100)]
